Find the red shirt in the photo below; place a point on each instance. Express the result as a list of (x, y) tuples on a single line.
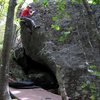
[(25, 12)]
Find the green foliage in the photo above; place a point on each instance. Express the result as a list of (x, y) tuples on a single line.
[(89, 1), (60, 13), (92, 97), (56, 27), (45, 3), (3, 7), (90, 86), (93, 70), (3, 12), (55, 18), (64, 36), (76, 1), (96, 1), (19, 1), (61, 5), (61, 8), (92, 67), (34, 1)]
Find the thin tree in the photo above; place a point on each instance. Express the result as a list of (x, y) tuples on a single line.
[(60, 78), (4, 74)]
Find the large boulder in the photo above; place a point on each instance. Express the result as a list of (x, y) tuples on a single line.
[(75, 52)]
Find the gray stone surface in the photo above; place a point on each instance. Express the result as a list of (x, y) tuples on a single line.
[(74, 55)]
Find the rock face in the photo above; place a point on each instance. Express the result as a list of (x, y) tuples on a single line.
[(74, 52)]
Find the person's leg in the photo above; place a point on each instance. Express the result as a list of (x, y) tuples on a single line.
[(31, 22)]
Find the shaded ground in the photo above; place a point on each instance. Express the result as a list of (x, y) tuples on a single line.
[(34, 94)]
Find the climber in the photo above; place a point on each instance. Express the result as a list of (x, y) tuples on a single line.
[(26, 12), (25, 17)]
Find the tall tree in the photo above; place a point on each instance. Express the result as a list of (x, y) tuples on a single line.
[(4, 74)]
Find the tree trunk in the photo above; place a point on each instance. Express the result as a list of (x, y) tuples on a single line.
[(4, 90), (60, 79)]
